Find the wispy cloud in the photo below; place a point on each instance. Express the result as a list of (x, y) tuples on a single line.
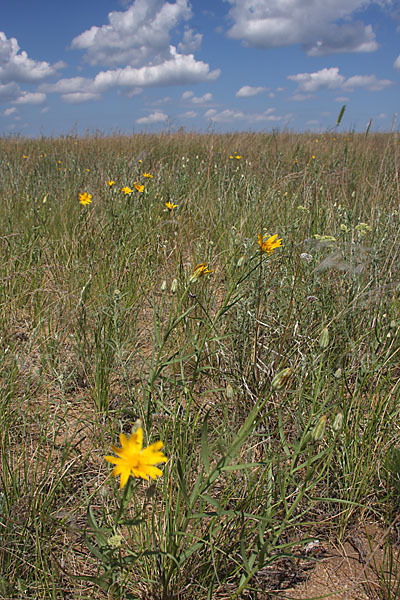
[(9, 111), (230, 115)]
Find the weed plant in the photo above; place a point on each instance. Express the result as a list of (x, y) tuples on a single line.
[(271, 378)]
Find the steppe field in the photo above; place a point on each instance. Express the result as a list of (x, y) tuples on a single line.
[(219, 316)]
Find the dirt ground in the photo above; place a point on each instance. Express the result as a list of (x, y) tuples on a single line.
[(362, 568)]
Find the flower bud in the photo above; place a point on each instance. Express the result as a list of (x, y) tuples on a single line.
[(338, 422), (229, 391), (324, 338), (240, 262), (281, 378), (115, 541), (319, 430), (174, 286), (163, 286)]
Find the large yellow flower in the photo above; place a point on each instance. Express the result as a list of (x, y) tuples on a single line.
[(269, 244), (170, 205), (135, 460), (138, 186), (199, 271), (85, 198), (126, 190)]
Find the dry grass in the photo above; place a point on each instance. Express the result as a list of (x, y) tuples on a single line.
[(93, 339)]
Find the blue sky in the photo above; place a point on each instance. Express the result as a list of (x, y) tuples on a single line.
[(224, 65)]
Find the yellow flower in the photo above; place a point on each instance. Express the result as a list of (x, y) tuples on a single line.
[(170, 206), (269, 244), (126, 190), (238, 156), (85, 198), (87, 170), (199, 271), (148, 175), (139, 187), (135, 460), (110, 182)]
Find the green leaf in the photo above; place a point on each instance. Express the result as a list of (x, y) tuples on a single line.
[(204, 444)]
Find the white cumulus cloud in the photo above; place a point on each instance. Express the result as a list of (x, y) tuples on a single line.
[(17, 67), (312, 82), (313, 24), (76, 97), (9, 91), (181, 69), (188, 94), (368, 82), (248, 90), (30, 98), (136, 44), (137, 36), (396, 64), (332, 79), (191, 41), (68, 85), (224, 116), (155, 117), (202, 99)]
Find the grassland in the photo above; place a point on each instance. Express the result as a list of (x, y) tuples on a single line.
[(273, 381)]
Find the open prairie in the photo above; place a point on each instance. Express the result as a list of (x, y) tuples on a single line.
[(235, 297)]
